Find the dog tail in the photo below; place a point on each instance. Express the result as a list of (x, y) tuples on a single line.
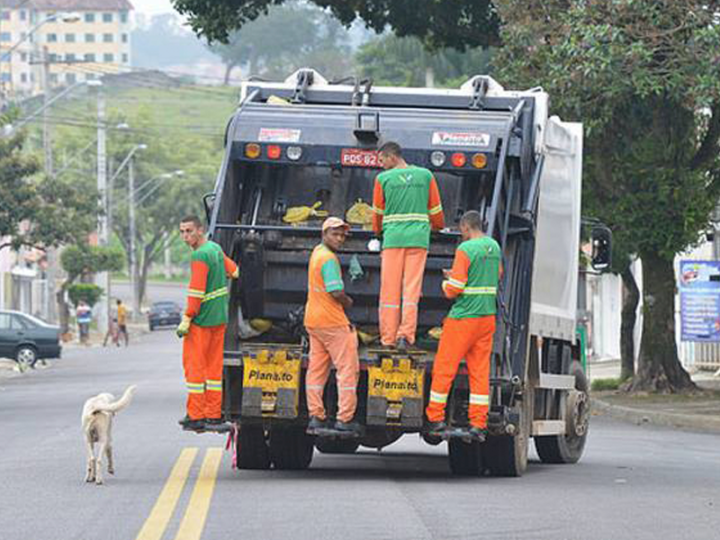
[(120, 404)]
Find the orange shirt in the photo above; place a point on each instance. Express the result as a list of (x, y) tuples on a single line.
[(324, 277)]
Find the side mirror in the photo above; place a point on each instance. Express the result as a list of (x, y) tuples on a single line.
[(601, 238)]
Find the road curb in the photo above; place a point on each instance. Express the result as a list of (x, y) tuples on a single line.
[(633, 415)]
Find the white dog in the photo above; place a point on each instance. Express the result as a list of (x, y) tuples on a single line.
[(97, 416)]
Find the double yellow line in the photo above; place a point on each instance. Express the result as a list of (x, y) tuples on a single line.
[(193, 521)]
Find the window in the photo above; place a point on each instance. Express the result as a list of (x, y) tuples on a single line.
[(33, 16), (89, 38), (89, 57), (23, 77), (5, 77), (123, 17), (52, 38), (124, 38), (69, 38), (108, 57), (108, 38), (23, 15), (71, 78), (5, 36), (19, 322), (89, 17), (23, 57), (53, 57), (5, 15), (54, 78), (107, 17), (4, 321), (70, 57), (125, 58), (32, 77)]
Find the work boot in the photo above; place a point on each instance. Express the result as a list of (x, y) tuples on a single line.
[(436, 428), (316, 424), (215, 421), (349, 427), (192, 425), (402, 345), (478, 433)]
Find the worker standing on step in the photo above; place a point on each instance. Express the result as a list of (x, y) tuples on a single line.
[(406, 205), (333, 340), (469, 328), (203, 326)]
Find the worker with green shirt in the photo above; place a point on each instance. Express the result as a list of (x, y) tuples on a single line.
[(469, 328), (406, 206)]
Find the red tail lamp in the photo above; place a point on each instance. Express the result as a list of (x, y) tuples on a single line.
[(274, 151), (458, 159)]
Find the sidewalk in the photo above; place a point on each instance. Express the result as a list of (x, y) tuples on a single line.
[(699, 412)]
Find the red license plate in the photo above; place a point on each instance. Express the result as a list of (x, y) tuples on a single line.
[(353, 157)]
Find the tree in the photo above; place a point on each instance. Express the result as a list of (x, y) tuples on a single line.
[(36, 211), (643, 76), (287, 37), (439, 23), (85, 292), (81, 261)]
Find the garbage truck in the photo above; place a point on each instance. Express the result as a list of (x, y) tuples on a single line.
[(303, 148)]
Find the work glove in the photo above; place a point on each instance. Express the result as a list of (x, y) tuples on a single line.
[(184, 327), (236, 273)]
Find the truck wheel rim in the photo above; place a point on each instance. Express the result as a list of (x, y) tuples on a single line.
[(578, 413)]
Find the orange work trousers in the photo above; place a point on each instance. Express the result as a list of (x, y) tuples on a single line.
[(336, 346), (471, 339), (203, 363), (401, 277)]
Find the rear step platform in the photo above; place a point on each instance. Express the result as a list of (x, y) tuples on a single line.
[(336, 434), (459, 433), (219, 428)]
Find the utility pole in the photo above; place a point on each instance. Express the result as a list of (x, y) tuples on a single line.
[(102, 278), (131, 221), (47, 137)]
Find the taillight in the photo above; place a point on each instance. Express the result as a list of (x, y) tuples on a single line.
[(274, 151), (294, 153), (437, 158), (458, 159), (479, 161), (252, 150)]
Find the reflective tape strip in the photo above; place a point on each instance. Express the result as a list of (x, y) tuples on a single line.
[(215, 294), (314, 386), (195, 293), (410, 303), (457, 284), (347, 389), (401, 218), (213, 385), (379, 211), (214, 388), (480, 290), (195, 388), (479, 399), (213, 381), (334, 282), (389, 306), (438, 398), (435, 210)]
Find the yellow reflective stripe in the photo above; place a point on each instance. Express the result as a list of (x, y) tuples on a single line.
[(215, 294), (455, 283), (377, 210), (195, 293), (195, 388), (214, 388), (479, 399), (480, 290), (435, 210), (399, 218), (213, 381), (438, 398)]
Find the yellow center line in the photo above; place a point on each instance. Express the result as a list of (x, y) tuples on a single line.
[(161, 513), (193, 523)]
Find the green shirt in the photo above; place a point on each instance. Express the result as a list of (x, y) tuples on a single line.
[(214, 307), (478, 298), (406, 218)]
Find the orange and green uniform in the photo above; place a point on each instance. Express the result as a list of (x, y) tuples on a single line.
[(207, 305), (406, 206), (468, 329), (333, 340)]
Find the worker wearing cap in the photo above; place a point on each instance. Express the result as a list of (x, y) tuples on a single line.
[(469, 328), (406, 205), (203, 325), (333, 340)]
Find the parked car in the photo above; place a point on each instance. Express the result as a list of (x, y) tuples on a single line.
[(27, 339), (164, 314)]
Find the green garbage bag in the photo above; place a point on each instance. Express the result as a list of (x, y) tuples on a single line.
[(355, 271)]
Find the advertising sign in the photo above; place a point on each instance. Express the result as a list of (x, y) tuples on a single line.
[(699, 286)]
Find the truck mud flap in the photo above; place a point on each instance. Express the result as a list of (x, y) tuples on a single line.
[(271, 384), (395, 393)]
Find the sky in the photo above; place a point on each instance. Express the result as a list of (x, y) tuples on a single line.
[(152, 6)]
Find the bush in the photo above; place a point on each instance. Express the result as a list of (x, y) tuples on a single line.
[(88, 292), (599, 385)]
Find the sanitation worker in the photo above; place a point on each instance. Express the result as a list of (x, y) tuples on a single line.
[(469, 327), (203, 326), (333, 340), (406, 205)]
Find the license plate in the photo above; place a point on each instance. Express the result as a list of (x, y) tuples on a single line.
[(271, 372), (353, 157)]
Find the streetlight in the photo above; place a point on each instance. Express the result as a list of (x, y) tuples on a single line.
[(161, 177)]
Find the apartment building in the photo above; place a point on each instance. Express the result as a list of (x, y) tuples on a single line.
[(80, 39)]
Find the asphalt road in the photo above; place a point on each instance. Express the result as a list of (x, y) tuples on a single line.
[(633, 482), (156, 292)]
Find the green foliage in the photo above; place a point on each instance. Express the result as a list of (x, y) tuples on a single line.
[(79, 260), (35, 211), (439, 23), (603, 385), (87, 292), (390, 60)]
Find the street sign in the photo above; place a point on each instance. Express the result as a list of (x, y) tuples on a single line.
[(699, 285)]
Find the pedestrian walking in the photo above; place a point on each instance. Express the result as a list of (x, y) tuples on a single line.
[(83, 315), (406, 206), (122, 322)]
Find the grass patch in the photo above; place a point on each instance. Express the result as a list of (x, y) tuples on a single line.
[(603, 385)]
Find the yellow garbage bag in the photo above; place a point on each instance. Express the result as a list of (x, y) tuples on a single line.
[(298, 214), (275, 100), (435, 332), (261, 325), (366, 338), (360, 213)]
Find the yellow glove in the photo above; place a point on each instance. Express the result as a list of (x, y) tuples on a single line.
[(184, 327)]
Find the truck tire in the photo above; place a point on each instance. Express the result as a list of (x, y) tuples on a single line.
[(291, 449), (507, 455), (466, 459), (336, 446), (252, 450), (569, 448)]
